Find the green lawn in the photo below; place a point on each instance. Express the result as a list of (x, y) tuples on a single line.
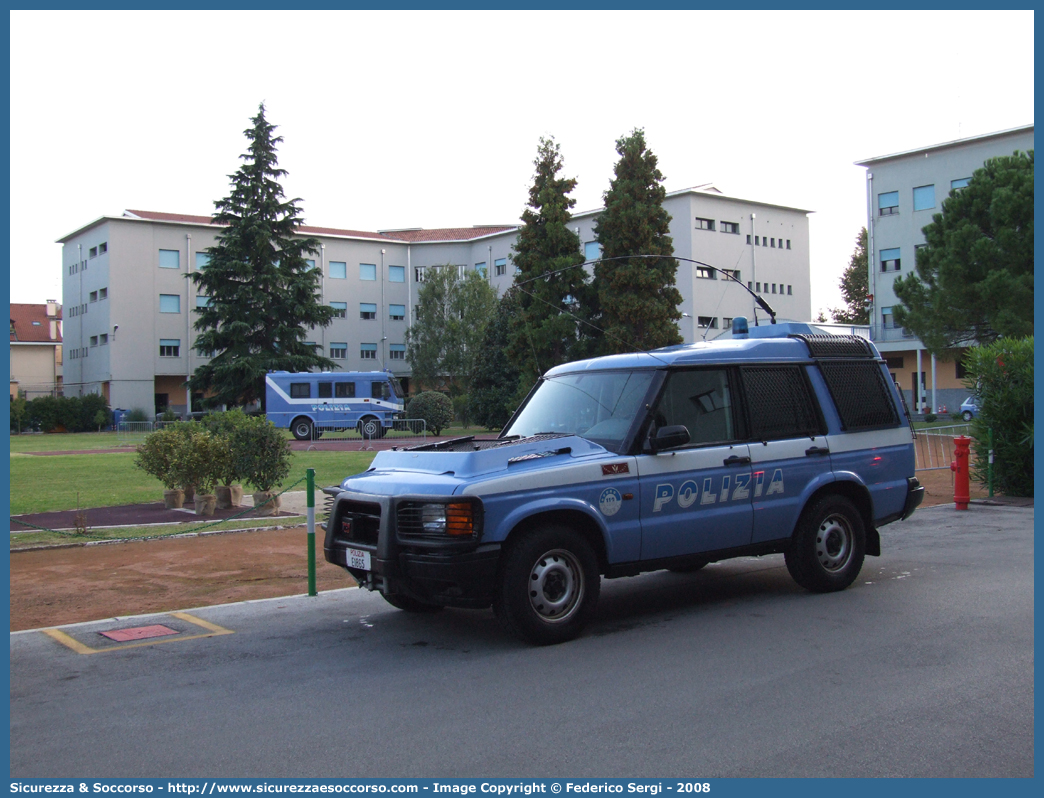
[(46, 483), (65, 442)]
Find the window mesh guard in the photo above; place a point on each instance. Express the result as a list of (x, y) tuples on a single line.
[(780, 404), (860, 393)]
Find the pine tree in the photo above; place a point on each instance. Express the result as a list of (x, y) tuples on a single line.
[(263, 293), (542, 336), (636, 297), (494, 382), (855, 287)]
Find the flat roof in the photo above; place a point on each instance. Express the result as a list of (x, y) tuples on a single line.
[(947, 144)]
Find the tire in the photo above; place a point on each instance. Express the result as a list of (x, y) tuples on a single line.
[(548, 585), (302, 429), (827, 549), (370, 428), (690, 568), (967, 415), (409, 604)]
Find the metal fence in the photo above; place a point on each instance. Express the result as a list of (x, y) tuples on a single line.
[(131, 433), (934, 446), (405, 431)]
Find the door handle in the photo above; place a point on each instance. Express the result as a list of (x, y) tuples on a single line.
[(817, 450), (735, 460)]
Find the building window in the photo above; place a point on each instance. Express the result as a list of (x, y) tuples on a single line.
[(788, 243), (202, 301), (705, 273), (202, 261), (169, 259), (726, 322), (397, 312), (94, 340), (103, 339), (500, 265), (418, 274), (396, 274), (707, 322), (340, 310), (733, 273), (790, 290), (750, 285), (170, 303), (704, 224), (367, 310), (93, 252), (923, 198), (103, 247), (730, 227), (773, 243), (338, 270), (368, 351), (757, 241), (757, 288), (959, 183), (886, 318), (170, 347), (367, 271), (895, 363), (94, 296), (773, 288), (748, 238), (481, 268), (396, 352), (309, 264), (890, 261), (300, 390), (338, 350), (888, 204), (592, 250)]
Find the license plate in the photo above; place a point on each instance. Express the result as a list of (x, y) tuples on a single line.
[(357, 558)]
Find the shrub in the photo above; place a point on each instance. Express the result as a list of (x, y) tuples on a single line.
[(19, 413), (1001, 377), (261, 453), (462, 409), (435, 408), (931, 417), (203, 458), (136, 414), (159, 456), (227, 425), (90, 407), (69, 413)]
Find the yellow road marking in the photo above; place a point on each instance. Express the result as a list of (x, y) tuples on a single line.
[(213, 630)]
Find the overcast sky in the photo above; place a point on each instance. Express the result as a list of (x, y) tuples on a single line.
[(417, 119)]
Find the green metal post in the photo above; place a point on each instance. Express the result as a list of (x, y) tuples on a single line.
[(989, 466), (310, 476)]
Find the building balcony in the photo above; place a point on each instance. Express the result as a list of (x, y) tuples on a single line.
[(891, 333)]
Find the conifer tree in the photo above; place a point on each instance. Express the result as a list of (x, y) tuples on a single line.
[(263, 292), (542, 336), (637, 298), (855, 287), (494, 381)]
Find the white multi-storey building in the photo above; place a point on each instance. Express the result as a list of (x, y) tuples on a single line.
[(904, 191), (129, 305)]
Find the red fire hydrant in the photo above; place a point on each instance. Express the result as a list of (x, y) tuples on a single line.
[(961, 482)]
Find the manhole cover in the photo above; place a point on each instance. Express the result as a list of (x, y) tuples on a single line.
[(139, 633)]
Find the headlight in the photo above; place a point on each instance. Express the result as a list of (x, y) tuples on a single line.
[(454, 519)]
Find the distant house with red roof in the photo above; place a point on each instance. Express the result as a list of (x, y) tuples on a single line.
[(36, 350)]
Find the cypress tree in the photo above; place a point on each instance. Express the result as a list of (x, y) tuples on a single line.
[(542, 336), (263, 293), (636, 297)]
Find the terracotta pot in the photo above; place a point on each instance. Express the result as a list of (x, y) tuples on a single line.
[(228, 496), (190, 492), (173, 499), (269, 508), (205, 503)]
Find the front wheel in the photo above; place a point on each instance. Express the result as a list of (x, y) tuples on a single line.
[(371, 428), (549, 585), (826, 551), (302, 429)]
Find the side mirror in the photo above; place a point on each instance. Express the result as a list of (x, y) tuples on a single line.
[(669, 438)]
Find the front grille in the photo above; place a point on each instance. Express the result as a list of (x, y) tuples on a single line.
[(358, 522)]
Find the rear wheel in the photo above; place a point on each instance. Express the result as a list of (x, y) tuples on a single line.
[(409, 604), (549, 585), (967, 415), (302, 429), (826, 551), (370, 428)]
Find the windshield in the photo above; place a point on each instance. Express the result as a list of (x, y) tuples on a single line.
[(599, 406)]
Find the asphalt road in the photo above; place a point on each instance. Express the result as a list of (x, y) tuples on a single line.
[(924, 667)]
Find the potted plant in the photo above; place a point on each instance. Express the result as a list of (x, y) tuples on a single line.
[(263, 460), (204, 460), (159, 455), (227, 425)]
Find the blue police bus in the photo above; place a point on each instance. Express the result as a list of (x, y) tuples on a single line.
[(307, 403)]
